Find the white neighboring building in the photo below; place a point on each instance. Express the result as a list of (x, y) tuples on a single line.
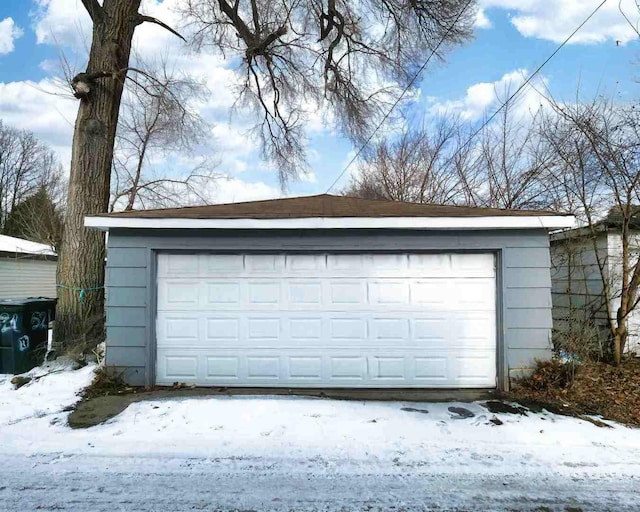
[(581, 264), (27, 269)]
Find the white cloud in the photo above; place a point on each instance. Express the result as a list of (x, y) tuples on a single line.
[(554, 20), (62, 22), (480, 97), (65, 23), (482, 20), (9, 32), (42, 108), (234, 190)]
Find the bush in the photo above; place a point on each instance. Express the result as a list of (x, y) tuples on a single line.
[(107, 381), (590, 388), (577, 337), (548, 375)]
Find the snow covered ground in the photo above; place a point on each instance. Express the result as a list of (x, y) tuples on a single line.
[(261, 453)]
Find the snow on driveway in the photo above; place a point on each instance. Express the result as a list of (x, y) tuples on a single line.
[(282, 453)]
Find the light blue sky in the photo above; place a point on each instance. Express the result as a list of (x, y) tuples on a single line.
[(511, 36)]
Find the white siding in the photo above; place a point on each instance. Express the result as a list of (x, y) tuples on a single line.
[(614, 242), (22, 277), (577, 281)]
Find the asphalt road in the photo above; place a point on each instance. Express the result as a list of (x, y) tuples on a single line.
[(156, 483)]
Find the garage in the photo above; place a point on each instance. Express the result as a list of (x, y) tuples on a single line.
[(327, 320), (328, 292)]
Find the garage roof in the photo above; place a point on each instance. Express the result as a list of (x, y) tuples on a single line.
[(329, 211), (324, 205)]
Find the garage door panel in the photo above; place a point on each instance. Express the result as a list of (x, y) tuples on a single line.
[(222, 367), (264, 328), (305, 329), (472, 265), (222, 264), (348, 329), (222, 329), (345, 369), (178, 294), (432, 369), (305, 367), (345, 264), (343, 292), (263, 293), (473, 367), (263, 367), (322, 320), (472, 329), (350, 367), (389, 329), (264, 264), (181, 367), (175, 329), (388, 367), (302, 294), (305, 262), (433, 262), (178, 265), (429, 293), (473, 294), (389, 291), (223, 293)]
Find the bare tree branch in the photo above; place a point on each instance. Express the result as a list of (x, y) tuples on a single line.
[(352, 58), (95, 10), (149, 19), (157, 121)]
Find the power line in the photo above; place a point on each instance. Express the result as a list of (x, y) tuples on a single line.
[(493, 116), (408, 86), (634, 27), (525, 83)]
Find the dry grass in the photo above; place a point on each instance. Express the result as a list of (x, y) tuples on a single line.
[(106, 382), (590, 388)]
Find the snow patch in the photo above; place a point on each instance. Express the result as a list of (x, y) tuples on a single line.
[(54, 387), (290, 432)]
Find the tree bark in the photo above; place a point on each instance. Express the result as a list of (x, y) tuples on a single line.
[(80, 309), (617, 349)]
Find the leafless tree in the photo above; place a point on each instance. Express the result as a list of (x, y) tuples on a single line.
[(416, 166), (156, 121), (511, 160), (350, 56), (26, 166), (436, 163), (99, 89), (38, 217), (597, 174)]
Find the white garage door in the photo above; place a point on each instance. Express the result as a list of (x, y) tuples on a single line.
[(327, 320)]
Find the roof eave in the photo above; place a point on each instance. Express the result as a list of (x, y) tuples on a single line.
[(548, 222)]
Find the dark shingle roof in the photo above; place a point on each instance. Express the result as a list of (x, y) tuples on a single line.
[(325, 205)]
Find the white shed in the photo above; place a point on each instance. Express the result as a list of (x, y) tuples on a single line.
[(582, 262), (27, 269)]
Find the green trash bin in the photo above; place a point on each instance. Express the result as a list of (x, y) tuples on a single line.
[(24, 330)]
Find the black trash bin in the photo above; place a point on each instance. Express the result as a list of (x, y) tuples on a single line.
[(24, 326)]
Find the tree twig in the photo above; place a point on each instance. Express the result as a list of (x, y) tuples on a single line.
[(149, 19)]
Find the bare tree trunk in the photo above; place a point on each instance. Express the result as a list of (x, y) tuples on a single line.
[(81, 261), (617, 349)]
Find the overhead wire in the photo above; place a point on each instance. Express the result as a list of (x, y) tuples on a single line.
[(404, 92), (490, 118)]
